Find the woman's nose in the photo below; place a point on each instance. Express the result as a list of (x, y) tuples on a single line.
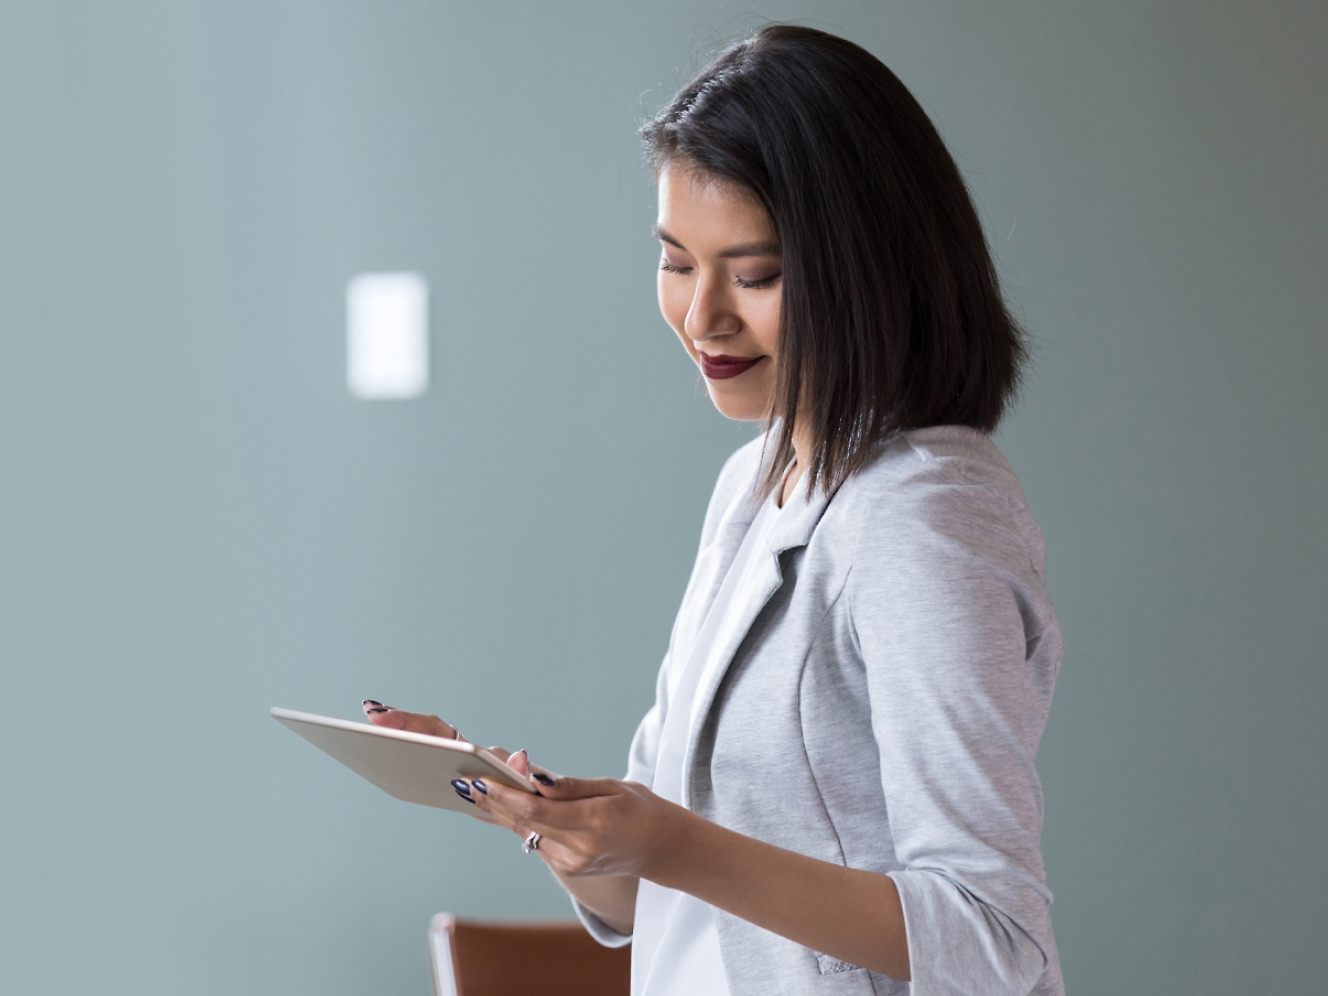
[(710, 314)]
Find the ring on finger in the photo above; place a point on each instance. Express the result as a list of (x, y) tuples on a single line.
[(531, 843)]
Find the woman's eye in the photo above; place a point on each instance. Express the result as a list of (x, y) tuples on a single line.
[(756, 284), (668, 267)]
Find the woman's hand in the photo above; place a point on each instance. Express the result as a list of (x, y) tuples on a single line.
[(592, 830), (413, 722), (587, 826), (420, 722)]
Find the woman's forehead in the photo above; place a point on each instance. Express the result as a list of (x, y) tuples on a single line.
[(706, 209)]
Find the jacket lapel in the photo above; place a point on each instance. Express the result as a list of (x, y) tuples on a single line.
[(712, 564), (792, 528)]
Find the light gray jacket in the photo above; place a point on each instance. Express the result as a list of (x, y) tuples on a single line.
[(891, 660)]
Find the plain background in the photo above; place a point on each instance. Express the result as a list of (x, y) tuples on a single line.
[(198, 522)]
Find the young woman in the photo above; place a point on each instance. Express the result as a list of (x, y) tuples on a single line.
[(835, 790)]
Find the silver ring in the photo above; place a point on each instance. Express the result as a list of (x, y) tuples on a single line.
[(531, 843)]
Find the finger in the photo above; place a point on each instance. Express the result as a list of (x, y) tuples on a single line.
[(412, 722), (554, 854), (519, 811), (501, 757), (543, 776), (499, 811), (467, 794), (517, 808), (519, 762), (481, 792), (523, 813), (564, 788)]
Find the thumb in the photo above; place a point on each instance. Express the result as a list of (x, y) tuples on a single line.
[(562, 787), (519, 761)]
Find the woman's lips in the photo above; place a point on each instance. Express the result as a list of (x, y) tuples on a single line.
[(723, 367)]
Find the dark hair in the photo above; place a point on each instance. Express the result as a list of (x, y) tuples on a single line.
[(891, 315)]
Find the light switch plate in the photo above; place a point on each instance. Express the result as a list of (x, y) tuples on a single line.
[(387, 335)]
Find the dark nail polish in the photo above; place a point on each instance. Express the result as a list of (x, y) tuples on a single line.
[(463, 795), (461, 786), (375, 711), (370, 702), (543, 779), (481, 786)]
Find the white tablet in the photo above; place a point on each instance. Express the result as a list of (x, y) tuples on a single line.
[(413, 767)]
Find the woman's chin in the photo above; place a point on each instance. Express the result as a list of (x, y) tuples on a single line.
[(738, 406), (738, 412)]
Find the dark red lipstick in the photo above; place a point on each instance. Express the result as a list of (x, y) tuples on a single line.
[(723, 367)]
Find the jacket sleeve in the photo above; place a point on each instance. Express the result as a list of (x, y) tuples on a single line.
[(961, 649)]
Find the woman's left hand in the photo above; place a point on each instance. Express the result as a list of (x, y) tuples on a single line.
[(587, 826)]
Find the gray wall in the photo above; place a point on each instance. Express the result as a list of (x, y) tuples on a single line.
[(198, 522)]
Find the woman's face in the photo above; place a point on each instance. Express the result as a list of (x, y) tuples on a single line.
[(719, 287)]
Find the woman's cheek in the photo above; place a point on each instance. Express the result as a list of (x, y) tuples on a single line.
[(673, 305)]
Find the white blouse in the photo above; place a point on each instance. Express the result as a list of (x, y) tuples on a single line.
[(675, 946)]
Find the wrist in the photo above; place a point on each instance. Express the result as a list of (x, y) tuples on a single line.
[(673, 837)]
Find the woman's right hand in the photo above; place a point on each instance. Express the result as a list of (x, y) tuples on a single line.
[(612, 898)]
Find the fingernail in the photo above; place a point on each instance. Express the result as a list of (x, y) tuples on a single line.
[(379, 709), (543, 779), (521, 751), (461, 786), (462, 795), (481, 786), (370, 702)]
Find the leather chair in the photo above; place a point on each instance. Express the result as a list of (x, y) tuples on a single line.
[(535, 958)]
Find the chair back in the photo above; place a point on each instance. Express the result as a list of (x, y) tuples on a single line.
[(534, 958)]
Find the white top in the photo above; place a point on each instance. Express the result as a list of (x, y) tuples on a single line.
[(675, 946)]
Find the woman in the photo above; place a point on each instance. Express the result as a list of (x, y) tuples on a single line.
[(835, 790)]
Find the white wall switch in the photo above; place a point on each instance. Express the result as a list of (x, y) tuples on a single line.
[(387, 335)]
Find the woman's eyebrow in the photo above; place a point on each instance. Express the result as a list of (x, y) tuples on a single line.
[(766, 248), (664, 236)]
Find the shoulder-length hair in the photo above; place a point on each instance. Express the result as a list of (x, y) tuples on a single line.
[(891, 315)]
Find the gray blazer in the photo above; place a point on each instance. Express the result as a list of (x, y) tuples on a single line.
[(891, 660)]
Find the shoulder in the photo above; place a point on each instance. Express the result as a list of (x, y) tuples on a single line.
[(944, 493), (936, 455), (931, 471)]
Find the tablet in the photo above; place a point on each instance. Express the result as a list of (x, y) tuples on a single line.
[(413, 767)]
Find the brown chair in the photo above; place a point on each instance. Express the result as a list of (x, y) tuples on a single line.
[(534, 958)]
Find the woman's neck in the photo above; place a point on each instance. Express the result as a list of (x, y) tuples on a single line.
[(793, 475)]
